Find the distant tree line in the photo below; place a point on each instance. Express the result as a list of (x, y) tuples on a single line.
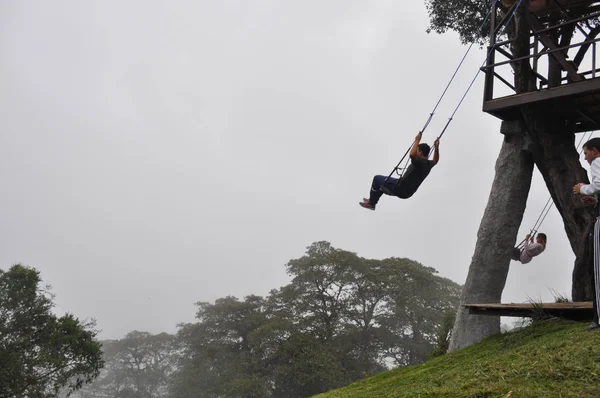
[(341, 318)]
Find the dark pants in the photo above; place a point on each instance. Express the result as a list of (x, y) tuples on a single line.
[(516, 254), (376, 191)]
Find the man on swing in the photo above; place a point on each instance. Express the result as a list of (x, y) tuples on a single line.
[(412, 178), (528, 250)]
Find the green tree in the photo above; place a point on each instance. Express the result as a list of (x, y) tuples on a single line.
[(218, 354), (370, 311), (337, 296), (462, 16), (419, 299), (40, 353), (442, 341)]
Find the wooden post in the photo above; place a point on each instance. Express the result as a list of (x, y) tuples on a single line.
[(488, 92)]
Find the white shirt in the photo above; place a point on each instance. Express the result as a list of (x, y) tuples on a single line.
[(594, 187), (530, 250)]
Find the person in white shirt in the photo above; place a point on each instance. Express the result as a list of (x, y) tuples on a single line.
[(591, 151), (530, 249)]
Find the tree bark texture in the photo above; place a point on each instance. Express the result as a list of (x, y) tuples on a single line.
[(495, 240)]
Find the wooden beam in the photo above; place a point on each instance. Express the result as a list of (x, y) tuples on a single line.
[(587, 115), (488, 89), (545, 52), (547, 41), (554, 306), (575, 311)]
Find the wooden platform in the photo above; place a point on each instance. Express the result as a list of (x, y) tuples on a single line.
[(577, 103), (577, 311), (574, 99)]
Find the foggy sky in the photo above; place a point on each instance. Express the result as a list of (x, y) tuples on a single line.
[(155, 154)]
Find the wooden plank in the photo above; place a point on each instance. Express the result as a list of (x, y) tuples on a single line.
[(573, 305), (575, 311), (585, 87)]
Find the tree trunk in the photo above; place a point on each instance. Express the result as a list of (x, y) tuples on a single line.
[(495, 239), (559, 162)]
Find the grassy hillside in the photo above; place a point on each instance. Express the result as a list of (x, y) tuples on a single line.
[(548, 359)]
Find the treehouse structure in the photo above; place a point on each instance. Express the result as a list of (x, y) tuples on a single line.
[(562, 62), (543, 81)]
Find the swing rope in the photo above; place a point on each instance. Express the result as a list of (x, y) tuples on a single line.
[(506, 24), (475, 38), (479, 71), (432, 113)]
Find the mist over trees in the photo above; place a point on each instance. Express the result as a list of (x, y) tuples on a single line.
[(139, 365), (341, 318)]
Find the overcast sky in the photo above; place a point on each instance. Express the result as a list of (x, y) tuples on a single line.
[(154, 154)]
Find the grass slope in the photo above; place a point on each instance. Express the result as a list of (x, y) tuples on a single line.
[(548, 359)]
